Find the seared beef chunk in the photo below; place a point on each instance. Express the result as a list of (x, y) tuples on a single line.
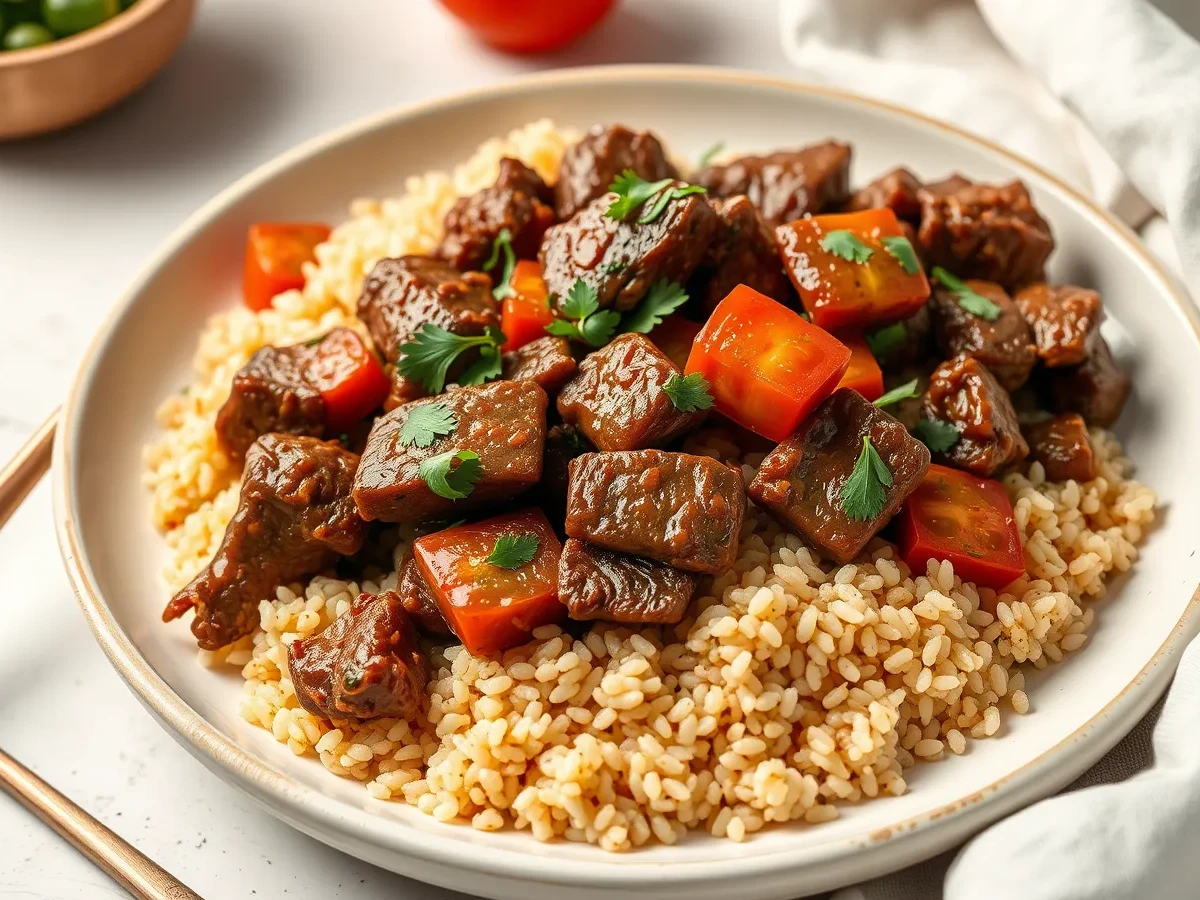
[(787, 184), (964, 393), (621, 260), (801, 481), (912, 346), (679, 509), (504, 422), (546, 361), (1064, 320), (617, 398), (366, 664), (403, 390), (742, 252), (1005, 345), (518, 201), (418, 600), (896, 190), (981, 231), (1096, 389), (601, 584), (1061, 444), (401, 295), (295, 517), (563, 444), (589, 166)]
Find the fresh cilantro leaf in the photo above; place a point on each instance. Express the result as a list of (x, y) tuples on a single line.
[(937, 435), (426, 423), (563, 328), (502, 244), (899, 246), (845, 244), (594, 326), (972, 301), (632, 191), (484, 369), (352, 680), (865, 491), (661, 201), (429, 355), (581, 300), (905, 391), (312, 342), (598, 328), (514, 550), (450, 481), (688, 393), (708, 155), (885, 340), (616, 267), (663, 298)]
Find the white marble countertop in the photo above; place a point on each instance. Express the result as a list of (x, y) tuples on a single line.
[(78, 214)]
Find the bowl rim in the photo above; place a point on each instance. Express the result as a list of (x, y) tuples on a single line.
[(123, 21), (317, 814)]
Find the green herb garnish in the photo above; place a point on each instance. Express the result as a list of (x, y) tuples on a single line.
[(972, 301), (937, 435), (429, 355), (351, 681), (426, 423), (514, 550), (708, 155), (688, 393), (845, 244), (450, 481), (312, 342), (632, 191), (663, 298), (592, 325), (905, 391), (898, 246), (502, 244), (885, 340), (865, 491)]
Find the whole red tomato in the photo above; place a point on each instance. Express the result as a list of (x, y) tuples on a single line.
[(529, 26)]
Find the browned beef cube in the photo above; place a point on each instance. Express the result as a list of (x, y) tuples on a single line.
[(504, 422), (985, 232), (401, 295), (1005, 345), (295, 517), (903, 343), (800, 482), (546, 361), (403, 390), (621, 260), (418, 600), (1062, 445), (679, 509), (895, 190), (617, 398), (519, 201), (563, 444), (366, 664), (596, 583), (1096, 389), (743, 251), (589, 166), (787, 184), (964, 393), (1064, 320)]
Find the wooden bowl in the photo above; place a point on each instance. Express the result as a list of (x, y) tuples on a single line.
[(50, 87)]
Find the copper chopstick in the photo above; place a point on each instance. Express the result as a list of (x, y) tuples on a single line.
[(130, 868)]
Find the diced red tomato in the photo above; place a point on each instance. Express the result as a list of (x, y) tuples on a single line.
[(864, 374), (839, 293), (525, 314), (968, 520), (491, 608), (674, 336), (767, 368), (351, 380), (275, 252)]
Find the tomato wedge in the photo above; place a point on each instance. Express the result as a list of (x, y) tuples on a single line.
[(767, 368), (968, 520), (864, 374), (351, 380), (840, 292), (674, 336), (275, 254), (525, 314), (491, 608)]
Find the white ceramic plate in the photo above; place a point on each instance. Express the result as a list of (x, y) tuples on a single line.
[(1081, 708)]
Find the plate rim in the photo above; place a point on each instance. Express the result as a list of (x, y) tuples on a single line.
[(320, 815)]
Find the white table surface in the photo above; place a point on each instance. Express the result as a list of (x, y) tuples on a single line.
[(79, 212)]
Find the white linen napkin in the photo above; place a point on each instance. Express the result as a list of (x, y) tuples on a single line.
[(1106, 94)]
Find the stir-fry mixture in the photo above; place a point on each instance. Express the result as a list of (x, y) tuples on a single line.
[(521, 423)]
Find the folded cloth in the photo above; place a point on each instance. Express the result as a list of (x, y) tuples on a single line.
[(1106, 94)]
